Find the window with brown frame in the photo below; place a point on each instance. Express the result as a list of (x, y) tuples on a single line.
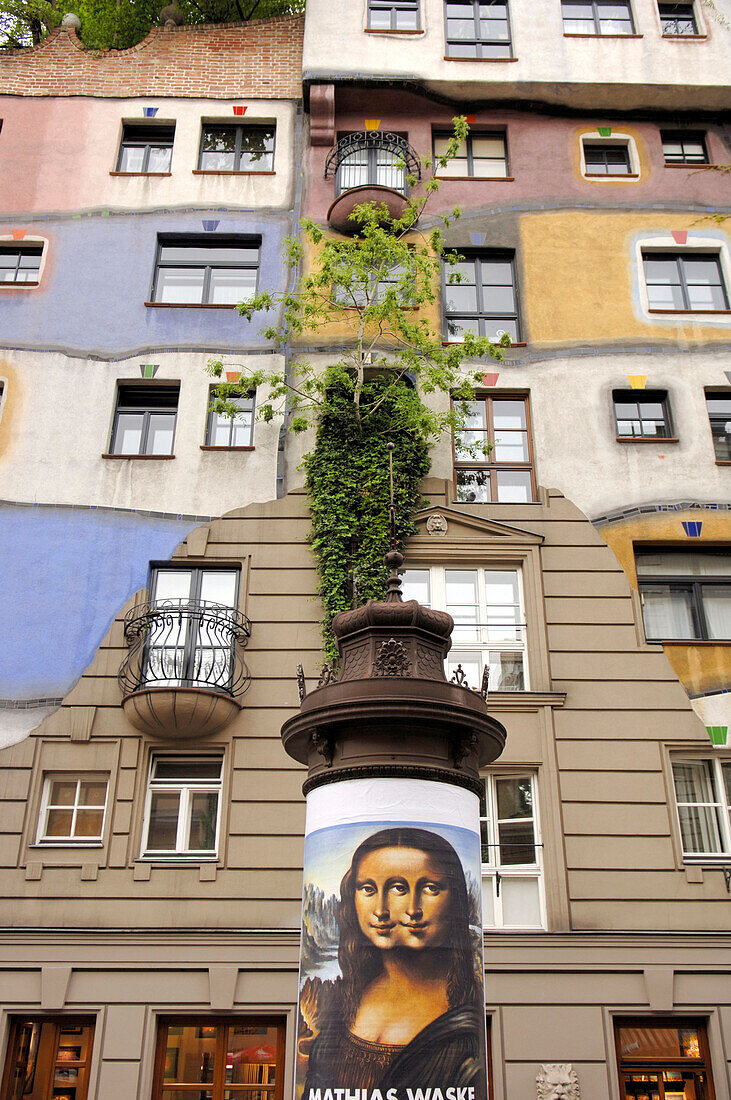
[(215, 1058), (506, 474), (48, 1059), (663, 1059)]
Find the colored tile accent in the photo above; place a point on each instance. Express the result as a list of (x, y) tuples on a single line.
[(210, 226), (18, 234), (471, 118), (476, 238), (239, 110), (490, 379), (718, 734), (149, 370), (372, 123), (604, 131), (637, 381), (680, 236), (233, 375), (150, 112), (692, 527)]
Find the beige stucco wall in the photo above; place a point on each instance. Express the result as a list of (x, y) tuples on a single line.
[(74, 400), (643, 71)]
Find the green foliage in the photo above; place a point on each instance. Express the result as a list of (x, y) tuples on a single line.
[(122, 23), (379, 287), (347, 479)]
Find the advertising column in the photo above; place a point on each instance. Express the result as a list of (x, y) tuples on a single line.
[(391, 999)]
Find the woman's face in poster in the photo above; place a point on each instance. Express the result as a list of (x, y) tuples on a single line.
[(402, 899)]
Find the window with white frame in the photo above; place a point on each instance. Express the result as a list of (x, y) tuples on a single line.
[(703, 800), (512, 864), (72, 810), (487, 608), (183, 810)]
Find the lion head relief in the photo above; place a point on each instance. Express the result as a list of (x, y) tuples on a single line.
[(557, 1081)]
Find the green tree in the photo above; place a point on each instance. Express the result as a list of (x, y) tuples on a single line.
[(381, 286), (122, 23)]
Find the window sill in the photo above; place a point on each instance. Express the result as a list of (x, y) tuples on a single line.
[(71, 845), (695, 166), (177, 861), (703, 642), (188, 305), (692, 312), (233, 172), (514, 344), (723, 461), (568, 34), (686, 37), (157, 458), (372, 30), (477, 179), (611, 179), (144, 175), (647, 439), (481, 60), (211, 447), (18, 286)]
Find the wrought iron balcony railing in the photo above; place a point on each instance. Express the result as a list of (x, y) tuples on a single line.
[(375, 158), (185, 644)]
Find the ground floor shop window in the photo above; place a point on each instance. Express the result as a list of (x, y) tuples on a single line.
[(48, 1059), (219, 1059), (663, 1059)]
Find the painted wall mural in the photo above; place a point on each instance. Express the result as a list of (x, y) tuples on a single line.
[(391, 988)]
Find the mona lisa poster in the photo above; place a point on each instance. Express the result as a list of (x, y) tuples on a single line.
[(391, 1001)]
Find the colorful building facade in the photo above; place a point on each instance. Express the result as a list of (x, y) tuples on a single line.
[(153, 823)]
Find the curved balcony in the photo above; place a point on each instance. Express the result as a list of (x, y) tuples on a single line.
[(184, 672), (369, 166)]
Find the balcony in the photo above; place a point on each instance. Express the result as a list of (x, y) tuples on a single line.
[(184, 673), (369, 166)]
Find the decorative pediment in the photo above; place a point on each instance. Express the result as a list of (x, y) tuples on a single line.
[(443, 527)]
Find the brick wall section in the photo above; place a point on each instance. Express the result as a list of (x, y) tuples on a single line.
[(259, 60)]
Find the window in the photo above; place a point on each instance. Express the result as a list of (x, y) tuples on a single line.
[(703, 800), (48, 1057), (197, 271), (597, 17), (662, 1059), (195, 645), (482, 156), (511, 853), (376, 159), (607, 160), (686, 281), (480, 297), (219, 1059), (20, 264), (684, 147), (685, 595), (487, 608), (478, 28), (393, 15), (506, 474), (183, 806), (237, 149), (719, 414), (146, 150), (642, 415), (678, 19), (237, 431), (144, 420), (72, 810)]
